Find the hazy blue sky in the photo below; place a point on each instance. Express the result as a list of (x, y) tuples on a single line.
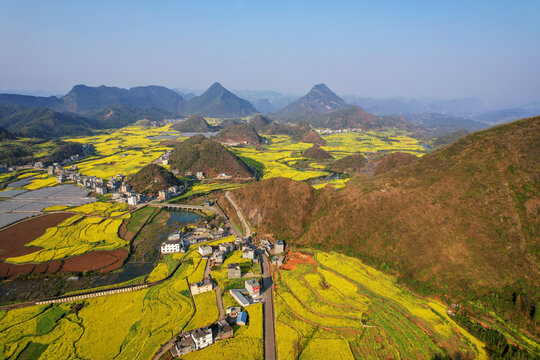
[(489, 49)]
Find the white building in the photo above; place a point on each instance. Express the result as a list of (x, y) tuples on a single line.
[(132, 200), (280, 247), (101, 190), (248, 254), (202, 337), (170, 247), (205, 250), (253, 288)]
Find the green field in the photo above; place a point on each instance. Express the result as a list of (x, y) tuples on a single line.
[(336, 306)]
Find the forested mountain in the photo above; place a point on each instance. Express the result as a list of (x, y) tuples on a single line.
[(194, 123), (116, 116), (241, 134), (84, 99), (219, 102), (198, 153), (319, 100), (44, 123)]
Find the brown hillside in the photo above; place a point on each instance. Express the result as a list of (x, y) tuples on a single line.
[(198, 153), (463, 220), (316, 152), (240, 134), (391, 161), (313, 138), (151, 179), (350, 163)]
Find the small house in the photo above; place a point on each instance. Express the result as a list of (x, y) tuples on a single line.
[(201, 287), (234, 271), (242, 318), (253, 288), (205, 250)]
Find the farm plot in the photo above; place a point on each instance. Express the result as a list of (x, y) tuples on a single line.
[(337, 306), (135, 325), (74, 236), (128, 149)]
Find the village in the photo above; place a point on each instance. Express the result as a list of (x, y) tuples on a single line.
[(216, 256)]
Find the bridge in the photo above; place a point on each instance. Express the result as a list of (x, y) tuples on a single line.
[(215, 209)]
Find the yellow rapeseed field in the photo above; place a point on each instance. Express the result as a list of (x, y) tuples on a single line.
[(207, 310), (74, 236), (341, 306)]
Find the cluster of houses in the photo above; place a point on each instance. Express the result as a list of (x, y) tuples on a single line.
[(250, 294), (40, 165), (200, 338), (338, 131), (179, 242)]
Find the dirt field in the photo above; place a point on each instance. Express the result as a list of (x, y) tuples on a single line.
[(295, 258), (13, 239), (96, 260)]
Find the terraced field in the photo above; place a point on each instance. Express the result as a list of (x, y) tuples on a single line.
[(135, 325), (76, 235), (333, 305)]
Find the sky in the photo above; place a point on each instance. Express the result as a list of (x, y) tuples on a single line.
[(439, 49)]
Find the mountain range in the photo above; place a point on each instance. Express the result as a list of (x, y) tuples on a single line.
[(215, 102)]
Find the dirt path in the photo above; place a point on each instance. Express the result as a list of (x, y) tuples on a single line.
[(239, 214)]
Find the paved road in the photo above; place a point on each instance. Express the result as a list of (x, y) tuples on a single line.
[(267, 294), (269, 324)]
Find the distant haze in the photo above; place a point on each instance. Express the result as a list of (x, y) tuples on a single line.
[(485, 49)]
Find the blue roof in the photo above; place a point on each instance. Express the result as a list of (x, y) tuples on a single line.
[(242, 317)]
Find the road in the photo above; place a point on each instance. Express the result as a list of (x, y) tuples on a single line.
[(239, 214), (267, 291)]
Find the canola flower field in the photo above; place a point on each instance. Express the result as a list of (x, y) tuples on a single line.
[(129, 325), (76, 235), (337, 306), (125, 151), (280, 157)]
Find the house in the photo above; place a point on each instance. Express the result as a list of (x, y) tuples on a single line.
[(218, 257), (253, 288), (184, 346), (170, 247), (280, 247), (173, 189), (233, 311), (277, 260), (205, 250), (223, 331), (174, 236), (248, 254), (202, 337), (234, 271), (132, 200), (101, 190), (242, 318), (60, 178), (226, 247), (200, 175), (165, 162), (125, 188), (163, 194), (201, 287), (239, 297)]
